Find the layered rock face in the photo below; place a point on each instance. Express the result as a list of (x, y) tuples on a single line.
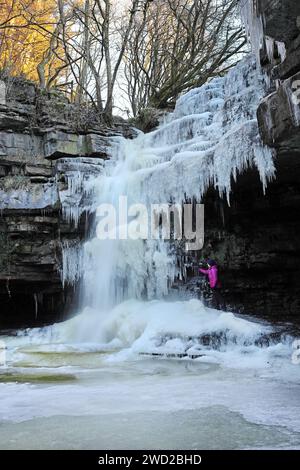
[(256, 243), (279, 122), (279, 112), (256, 238), (45, 145)]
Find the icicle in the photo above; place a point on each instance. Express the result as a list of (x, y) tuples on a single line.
[(281, 50), (36, 305), (78, 174), (270, 48), (194, 149), (253, 22), (72, 262)]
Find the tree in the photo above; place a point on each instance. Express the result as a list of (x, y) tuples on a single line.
[(176, 45), (26, 31), (157, 49), (100, 45)]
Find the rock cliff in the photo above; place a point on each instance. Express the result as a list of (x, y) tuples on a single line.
[(44, 141), (255, 239)]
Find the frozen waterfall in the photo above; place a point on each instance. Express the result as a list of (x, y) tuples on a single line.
[(211, 136)]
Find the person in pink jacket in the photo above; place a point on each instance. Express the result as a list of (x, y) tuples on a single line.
[(214, 283), (212, 274)]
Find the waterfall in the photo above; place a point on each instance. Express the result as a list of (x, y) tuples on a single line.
[(116, 269), (210, 137)]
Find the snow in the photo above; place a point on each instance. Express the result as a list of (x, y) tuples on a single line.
[(135, 328)]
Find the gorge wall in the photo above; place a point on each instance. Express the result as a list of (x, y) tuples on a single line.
[(44, 143), (256, 239)]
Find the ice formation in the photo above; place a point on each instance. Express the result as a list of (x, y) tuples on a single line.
[(211, 136), (75, 197), (181, 329), (72, 262), (253, 20)]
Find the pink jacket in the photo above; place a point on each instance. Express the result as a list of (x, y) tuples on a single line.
[(212, 274)]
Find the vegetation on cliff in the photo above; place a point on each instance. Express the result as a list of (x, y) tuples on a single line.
[(129, 55)]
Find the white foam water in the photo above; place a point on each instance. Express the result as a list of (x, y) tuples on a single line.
[(150, 369), (181, 329)]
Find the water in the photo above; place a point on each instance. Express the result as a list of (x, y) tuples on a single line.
[(135, 369), (156, 375)]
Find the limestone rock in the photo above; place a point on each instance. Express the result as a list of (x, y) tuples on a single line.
[(59, 144), (291, 64), (40, 153), (19, 144), (281, 18), (279, 116), (97, 145)]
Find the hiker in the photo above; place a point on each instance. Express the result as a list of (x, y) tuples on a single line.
[(214, 284)]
